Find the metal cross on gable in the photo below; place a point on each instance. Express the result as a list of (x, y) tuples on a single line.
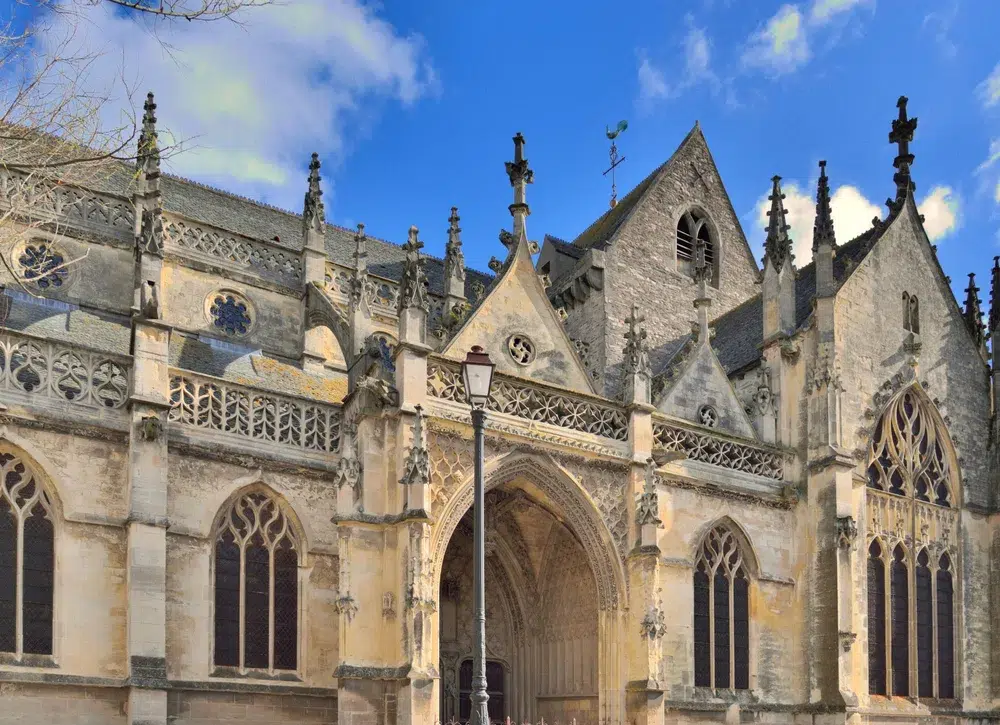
[(615, 161)]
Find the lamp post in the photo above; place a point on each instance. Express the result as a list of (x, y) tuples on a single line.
[(477, 373)]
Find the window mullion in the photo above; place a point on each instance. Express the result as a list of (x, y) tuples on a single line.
[(19, 584), (270, 610), (243, 594)]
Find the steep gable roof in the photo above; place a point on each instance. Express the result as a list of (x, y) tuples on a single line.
[(517, 305)]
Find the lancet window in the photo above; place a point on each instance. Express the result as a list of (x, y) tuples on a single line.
[(691, 228), (27, 560), (721, 613), (911, 500), (256, 586)]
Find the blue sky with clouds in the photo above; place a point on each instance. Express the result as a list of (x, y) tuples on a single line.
[(412, 106)]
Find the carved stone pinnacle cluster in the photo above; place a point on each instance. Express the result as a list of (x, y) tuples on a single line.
[(313, 214), (823, 228), (778, 245), (413, 285)]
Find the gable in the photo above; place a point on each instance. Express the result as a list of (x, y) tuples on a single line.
[(515, 309), (699, 381)]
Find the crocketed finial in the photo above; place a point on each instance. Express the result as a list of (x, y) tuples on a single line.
[(973, 312), (413, 285), (313, 214), (901, 135), (454, 260), (778, 245), (148, 156), (995, 296), (823, 228)]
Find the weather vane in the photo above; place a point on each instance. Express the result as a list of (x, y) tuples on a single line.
[(612, 135)]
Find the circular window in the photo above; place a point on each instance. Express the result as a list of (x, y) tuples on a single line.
[(521, 349), (42, 264), (708, 416), (229, 312)]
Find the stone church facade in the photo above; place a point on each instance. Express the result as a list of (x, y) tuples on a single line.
[(237, 463)]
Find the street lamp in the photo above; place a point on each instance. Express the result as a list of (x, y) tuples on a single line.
[(477, 373)]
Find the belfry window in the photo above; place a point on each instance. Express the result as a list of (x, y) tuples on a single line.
[(911, 499), (721, 613), (691, 228), (27, 561), (256, 587)]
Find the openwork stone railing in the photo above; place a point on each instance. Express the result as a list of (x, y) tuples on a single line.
[(701, 445), (50, 370), (217, 245), (533, 402), (381, 293), (215, 405), (45, 201)]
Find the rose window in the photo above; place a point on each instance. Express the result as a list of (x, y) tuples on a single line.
[(230, 313), (708, 416), (42, 265), (521, 349)]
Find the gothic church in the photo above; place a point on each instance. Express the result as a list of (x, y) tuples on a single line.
[(237, 463)]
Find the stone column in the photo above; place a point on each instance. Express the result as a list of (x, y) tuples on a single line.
[(147, 524)]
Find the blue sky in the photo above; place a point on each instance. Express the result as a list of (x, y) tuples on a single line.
[(412, 106)]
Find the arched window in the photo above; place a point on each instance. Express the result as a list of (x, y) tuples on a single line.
[(876, 620), (256, 586), (691, 227), (907, 455), (27, 560), (911, 499), (721, 613)]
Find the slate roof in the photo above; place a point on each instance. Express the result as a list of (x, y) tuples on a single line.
[(62, 322), (564, 247), (260, 221), (244, 367), (739, 333)]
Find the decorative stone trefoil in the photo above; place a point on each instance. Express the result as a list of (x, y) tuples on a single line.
[(648, 502), (416, 467), (413, 285)]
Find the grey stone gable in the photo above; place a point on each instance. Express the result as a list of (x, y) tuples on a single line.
[(739, 333)]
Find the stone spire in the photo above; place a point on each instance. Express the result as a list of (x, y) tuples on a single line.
[(148, 153), (995, 296), (413, 285), (313, 214), (454, 260), (902, 135), (823, 227), (520, 176), (973, 312), (778, 245)]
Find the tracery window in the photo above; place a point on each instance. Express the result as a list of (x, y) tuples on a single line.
[(912, 543), (911, 313), (230, 313), (27, 560), (692, 227), (721, 613), (256, 586), (42, 264)]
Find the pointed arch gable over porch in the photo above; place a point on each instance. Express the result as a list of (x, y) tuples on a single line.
[(580, 512)]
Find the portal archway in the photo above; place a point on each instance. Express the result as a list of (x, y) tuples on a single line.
[(555, 591)]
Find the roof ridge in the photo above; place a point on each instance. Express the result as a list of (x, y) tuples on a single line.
[(230, 194)]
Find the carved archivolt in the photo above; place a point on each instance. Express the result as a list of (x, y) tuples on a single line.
[(580, 514)]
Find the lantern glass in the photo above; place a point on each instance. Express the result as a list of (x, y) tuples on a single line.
[(477, 374)]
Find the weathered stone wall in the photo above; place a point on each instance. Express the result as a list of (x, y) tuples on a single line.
[(28, 704), (211, 708), (641, 264)]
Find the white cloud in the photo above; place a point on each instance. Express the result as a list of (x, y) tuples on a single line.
[(823, 11), (989, 90), (256, 98), (941, 212), (697, 68), (992, 157), (852, 214), (652, 86), (781, 45)]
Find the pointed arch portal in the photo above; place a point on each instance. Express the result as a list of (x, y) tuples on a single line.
[(555, 589)]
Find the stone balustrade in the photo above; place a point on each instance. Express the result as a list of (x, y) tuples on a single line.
[(703, 444), (211, 404)]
